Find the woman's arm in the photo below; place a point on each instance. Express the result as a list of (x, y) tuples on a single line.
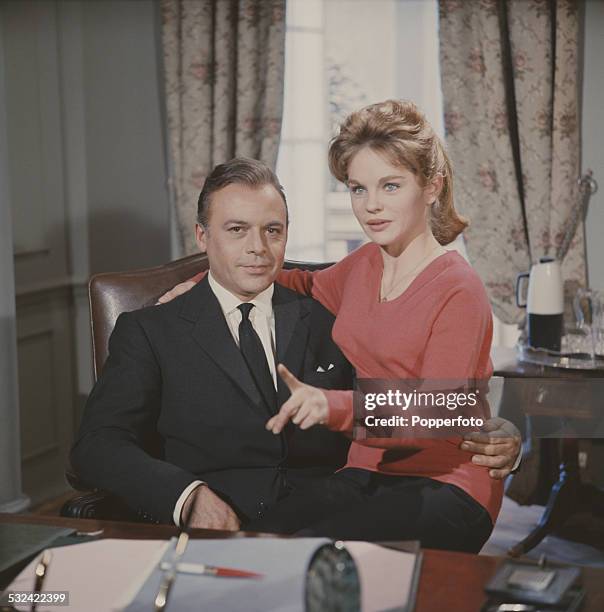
[(181, 288), (314, 283), (326, 285), (308, 406)]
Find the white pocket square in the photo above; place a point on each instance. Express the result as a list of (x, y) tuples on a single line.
[(322, 369)]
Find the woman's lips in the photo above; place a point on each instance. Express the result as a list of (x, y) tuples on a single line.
[(378, 226)]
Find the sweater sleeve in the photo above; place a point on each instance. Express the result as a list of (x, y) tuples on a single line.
[(306, 282), (340, 410), (318, 284), (326, 286), (322, 285)]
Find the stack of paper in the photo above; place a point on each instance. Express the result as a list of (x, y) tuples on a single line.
[(110, 575)]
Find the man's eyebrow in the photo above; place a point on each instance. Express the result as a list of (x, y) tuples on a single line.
[(235, 222), (247, 223)]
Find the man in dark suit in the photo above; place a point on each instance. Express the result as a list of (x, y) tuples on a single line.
[(180, 370), (176, 422)]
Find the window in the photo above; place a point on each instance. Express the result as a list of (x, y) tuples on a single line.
[(340, 56)]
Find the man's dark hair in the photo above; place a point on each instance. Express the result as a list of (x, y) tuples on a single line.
[(237, 171)]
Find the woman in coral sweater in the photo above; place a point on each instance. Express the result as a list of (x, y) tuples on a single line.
[(405, 308)]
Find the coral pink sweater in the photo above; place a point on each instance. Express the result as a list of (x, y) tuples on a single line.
[(439, 328)]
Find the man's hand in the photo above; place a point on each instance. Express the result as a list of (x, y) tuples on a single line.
[(176, 291), (497, 447), (205, 510), (306, 407)]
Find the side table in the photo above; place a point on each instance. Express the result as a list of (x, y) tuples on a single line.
[(540, 399)]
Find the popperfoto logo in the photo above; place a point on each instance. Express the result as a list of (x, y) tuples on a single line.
[(419, 408)]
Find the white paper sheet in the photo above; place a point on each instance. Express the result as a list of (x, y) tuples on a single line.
[(101, 576), (386, 575)]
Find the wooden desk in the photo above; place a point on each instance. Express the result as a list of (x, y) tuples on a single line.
[(450, 582)]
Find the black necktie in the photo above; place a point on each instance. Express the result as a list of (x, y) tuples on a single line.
[(255, 358)]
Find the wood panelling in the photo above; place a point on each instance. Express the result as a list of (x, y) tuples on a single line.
[(34, 140), (46, 389), (39, 401), (43, 275)]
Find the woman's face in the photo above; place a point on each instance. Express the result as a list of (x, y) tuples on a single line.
[(387, 200)]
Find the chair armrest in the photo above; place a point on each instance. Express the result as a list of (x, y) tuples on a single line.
[(99, 505)]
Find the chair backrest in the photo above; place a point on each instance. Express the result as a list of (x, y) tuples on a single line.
[(110, 294)]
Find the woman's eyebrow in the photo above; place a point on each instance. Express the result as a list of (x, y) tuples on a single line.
[(382, 180), (391, 177)]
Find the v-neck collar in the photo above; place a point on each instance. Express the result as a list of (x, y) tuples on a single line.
[(433, 269)]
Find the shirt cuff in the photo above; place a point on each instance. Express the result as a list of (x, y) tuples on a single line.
[(180, 502), (518, 460)]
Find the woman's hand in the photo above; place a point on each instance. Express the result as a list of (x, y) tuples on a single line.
[(306, 407), (176, 291)]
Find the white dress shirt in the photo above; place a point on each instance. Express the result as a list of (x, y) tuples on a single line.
[(263, 322), (261, 317)]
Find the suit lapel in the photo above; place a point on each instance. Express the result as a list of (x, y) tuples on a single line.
[(291, 334), (212, 334)]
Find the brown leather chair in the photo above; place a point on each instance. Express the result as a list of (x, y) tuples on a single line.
[(110, 294)]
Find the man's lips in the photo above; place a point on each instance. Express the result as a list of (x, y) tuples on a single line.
[(256, 268), (377, 225)]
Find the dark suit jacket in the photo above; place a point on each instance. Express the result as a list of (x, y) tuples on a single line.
[(175, 402)]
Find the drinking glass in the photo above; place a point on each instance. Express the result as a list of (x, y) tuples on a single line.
[(589, 313)]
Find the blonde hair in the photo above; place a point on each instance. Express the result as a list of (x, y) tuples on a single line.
[(398, 130)]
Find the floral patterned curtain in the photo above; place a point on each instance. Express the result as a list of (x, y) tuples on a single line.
[(223, 70), (510, 85)]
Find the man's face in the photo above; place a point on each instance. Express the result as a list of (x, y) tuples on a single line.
[(245, 238)]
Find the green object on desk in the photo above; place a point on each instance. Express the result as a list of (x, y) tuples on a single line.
[(20, 542)]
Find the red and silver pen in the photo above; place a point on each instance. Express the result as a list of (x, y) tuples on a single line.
[(200, 569)]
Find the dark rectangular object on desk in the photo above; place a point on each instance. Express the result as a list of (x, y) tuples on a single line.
[(572, 602), (553, 595), (20, 542)]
